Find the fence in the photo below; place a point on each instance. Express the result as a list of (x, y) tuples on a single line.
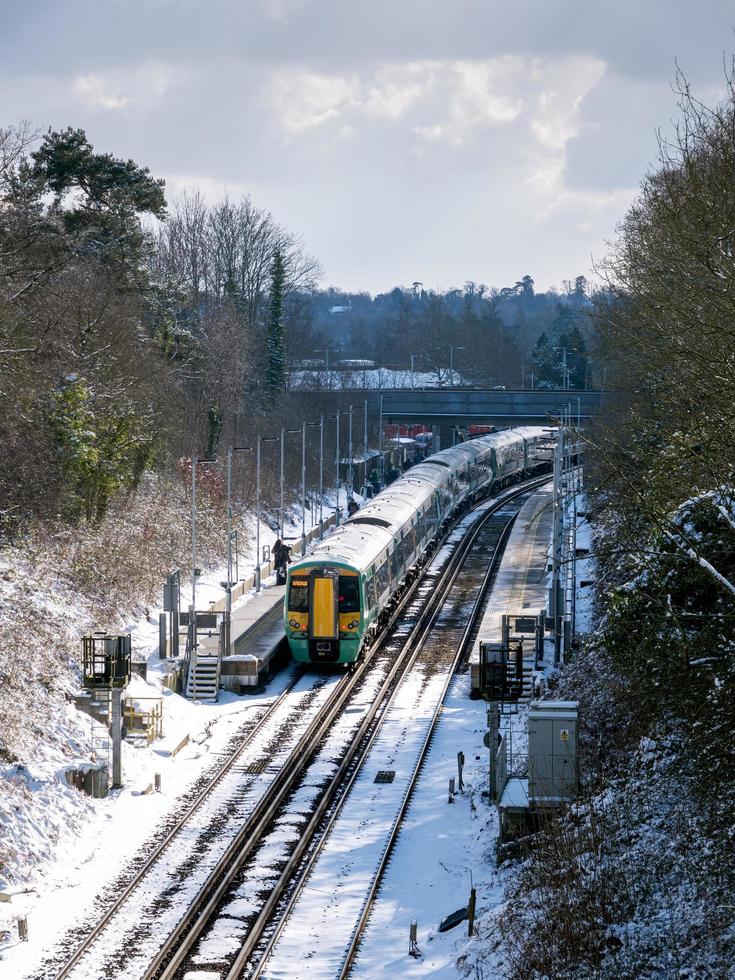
[(147, 722)]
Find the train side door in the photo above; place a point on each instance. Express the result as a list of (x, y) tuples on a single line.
[(323, 604)]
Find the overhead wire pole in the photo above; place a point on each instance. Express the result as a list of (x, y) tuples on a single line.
[(380, 441), (228, 598), (228, 594), (257, 517), (350, 474), (321, 476), (365, 433), (555, 554), (194, 543), (281, 512), (193, 625), (336, 475), (303, 488)]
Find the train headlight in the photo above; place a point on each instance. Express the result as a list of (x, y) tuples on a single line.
[(354, 624), (294, 624)]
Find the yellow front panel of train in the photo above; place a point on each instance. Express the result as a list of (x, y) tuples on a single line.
[(323, 617)]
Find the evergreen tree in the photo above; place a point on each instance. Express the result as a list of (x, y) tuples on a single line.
[(546, 364), (276, 370)]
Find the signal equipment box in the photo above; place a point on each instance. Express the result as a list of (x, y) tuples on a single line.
[(552, 752), (106, 661)]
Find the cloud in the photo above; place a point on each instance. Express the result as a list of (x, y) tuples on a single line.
[(115, 90), (426, 139), (442, 99), (556, 118), (305, 99)]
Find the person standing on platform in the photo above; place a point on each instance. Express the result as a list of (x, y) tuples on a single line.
[(281, 558)]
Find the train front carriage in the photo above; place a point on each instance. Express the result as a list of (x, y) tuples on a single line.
[(324, 612), (339, 594)]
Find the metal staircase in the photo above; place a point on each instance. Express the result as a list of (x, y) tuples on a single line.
[(202, 681), (204, 661)]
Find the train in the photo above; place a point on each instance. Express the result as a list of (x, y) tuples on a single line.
[(340, 594)]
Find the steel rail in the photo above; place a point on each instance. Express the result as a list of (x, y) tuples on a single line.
[(356, 937), (359, 747), (85, 945), (159, 850), (173, 953), (296, 762), (381, 703)]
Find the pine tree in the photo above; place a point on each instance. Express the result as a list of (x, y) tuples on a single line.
[(276, 372), (546, 364)]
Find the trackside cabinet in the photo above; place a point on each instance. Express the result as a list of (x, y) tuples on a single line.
[(552, 752)]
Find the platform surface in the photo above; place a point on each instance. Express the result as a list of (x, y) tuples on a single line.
[(521, 583), (257, 625)]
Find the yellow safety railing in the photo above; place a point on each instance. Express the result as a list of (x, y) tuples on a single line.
[(145, 721)]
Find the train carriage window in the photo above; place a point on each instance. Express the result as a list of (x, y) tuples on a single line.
[(298, 596), (382, 578), (370, 592), (349, 593), (394, 565)]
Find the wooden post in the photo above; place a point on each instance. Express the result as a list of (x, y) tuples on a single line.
[(451, 790), (157, 782), (460, 767), (413, 948), (23, 928), (471, 913)]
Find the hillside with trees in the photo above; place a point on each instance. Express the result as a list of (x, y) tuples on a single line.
[(638, 880), (511, 336)]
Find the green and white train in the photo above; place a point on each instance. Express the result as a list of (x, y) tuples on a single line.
[(338, 595)]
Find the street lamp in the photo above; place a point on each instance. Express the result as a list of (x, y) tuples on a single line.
[(228, 596), (327, 351), (451, 364), (413, 358), (565, 372), (194, 463)]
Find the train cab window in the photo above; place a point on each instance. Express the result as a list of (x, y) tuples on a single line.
[(298, 596), (349, 593)]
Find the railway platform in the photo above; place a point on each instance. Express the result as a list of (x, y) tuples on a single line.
[(258, 639), (521, 585)]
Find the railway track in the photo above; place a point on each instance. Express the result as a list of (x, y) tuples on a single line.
[(253, 921), (358, 841), (224, 824)]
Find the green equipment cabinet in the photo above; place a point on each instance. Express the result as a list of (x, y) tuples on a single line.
[(552, 752)]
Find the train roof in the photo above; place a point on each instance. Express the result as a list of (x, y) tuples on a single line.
[(355, 544), (535, 431), (363, 538)]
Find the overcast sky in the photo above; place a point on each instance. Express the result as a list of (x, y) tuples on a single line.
[(432, 140)]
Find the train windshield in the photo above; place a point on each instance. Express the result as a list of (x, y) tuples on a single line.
[(298, 596), (349, 593)]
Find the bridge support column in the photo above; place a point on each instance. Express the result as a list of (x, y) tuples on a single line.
[(445, 435)]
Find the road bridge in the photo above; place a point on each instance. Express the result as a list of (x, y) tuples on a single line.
[(448, 408)]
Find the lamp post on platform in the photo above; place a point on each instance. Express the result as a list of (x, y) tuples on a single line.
[(336, 475), (230, 533), (194, 463), (451, 364)]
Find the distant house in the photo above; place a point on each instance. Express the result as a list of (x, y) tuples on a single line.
[(337, 310)]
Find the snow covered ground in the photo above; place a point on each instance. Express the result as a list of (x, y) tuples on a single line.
[(82, 844), (374, 378), (62, 845)]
